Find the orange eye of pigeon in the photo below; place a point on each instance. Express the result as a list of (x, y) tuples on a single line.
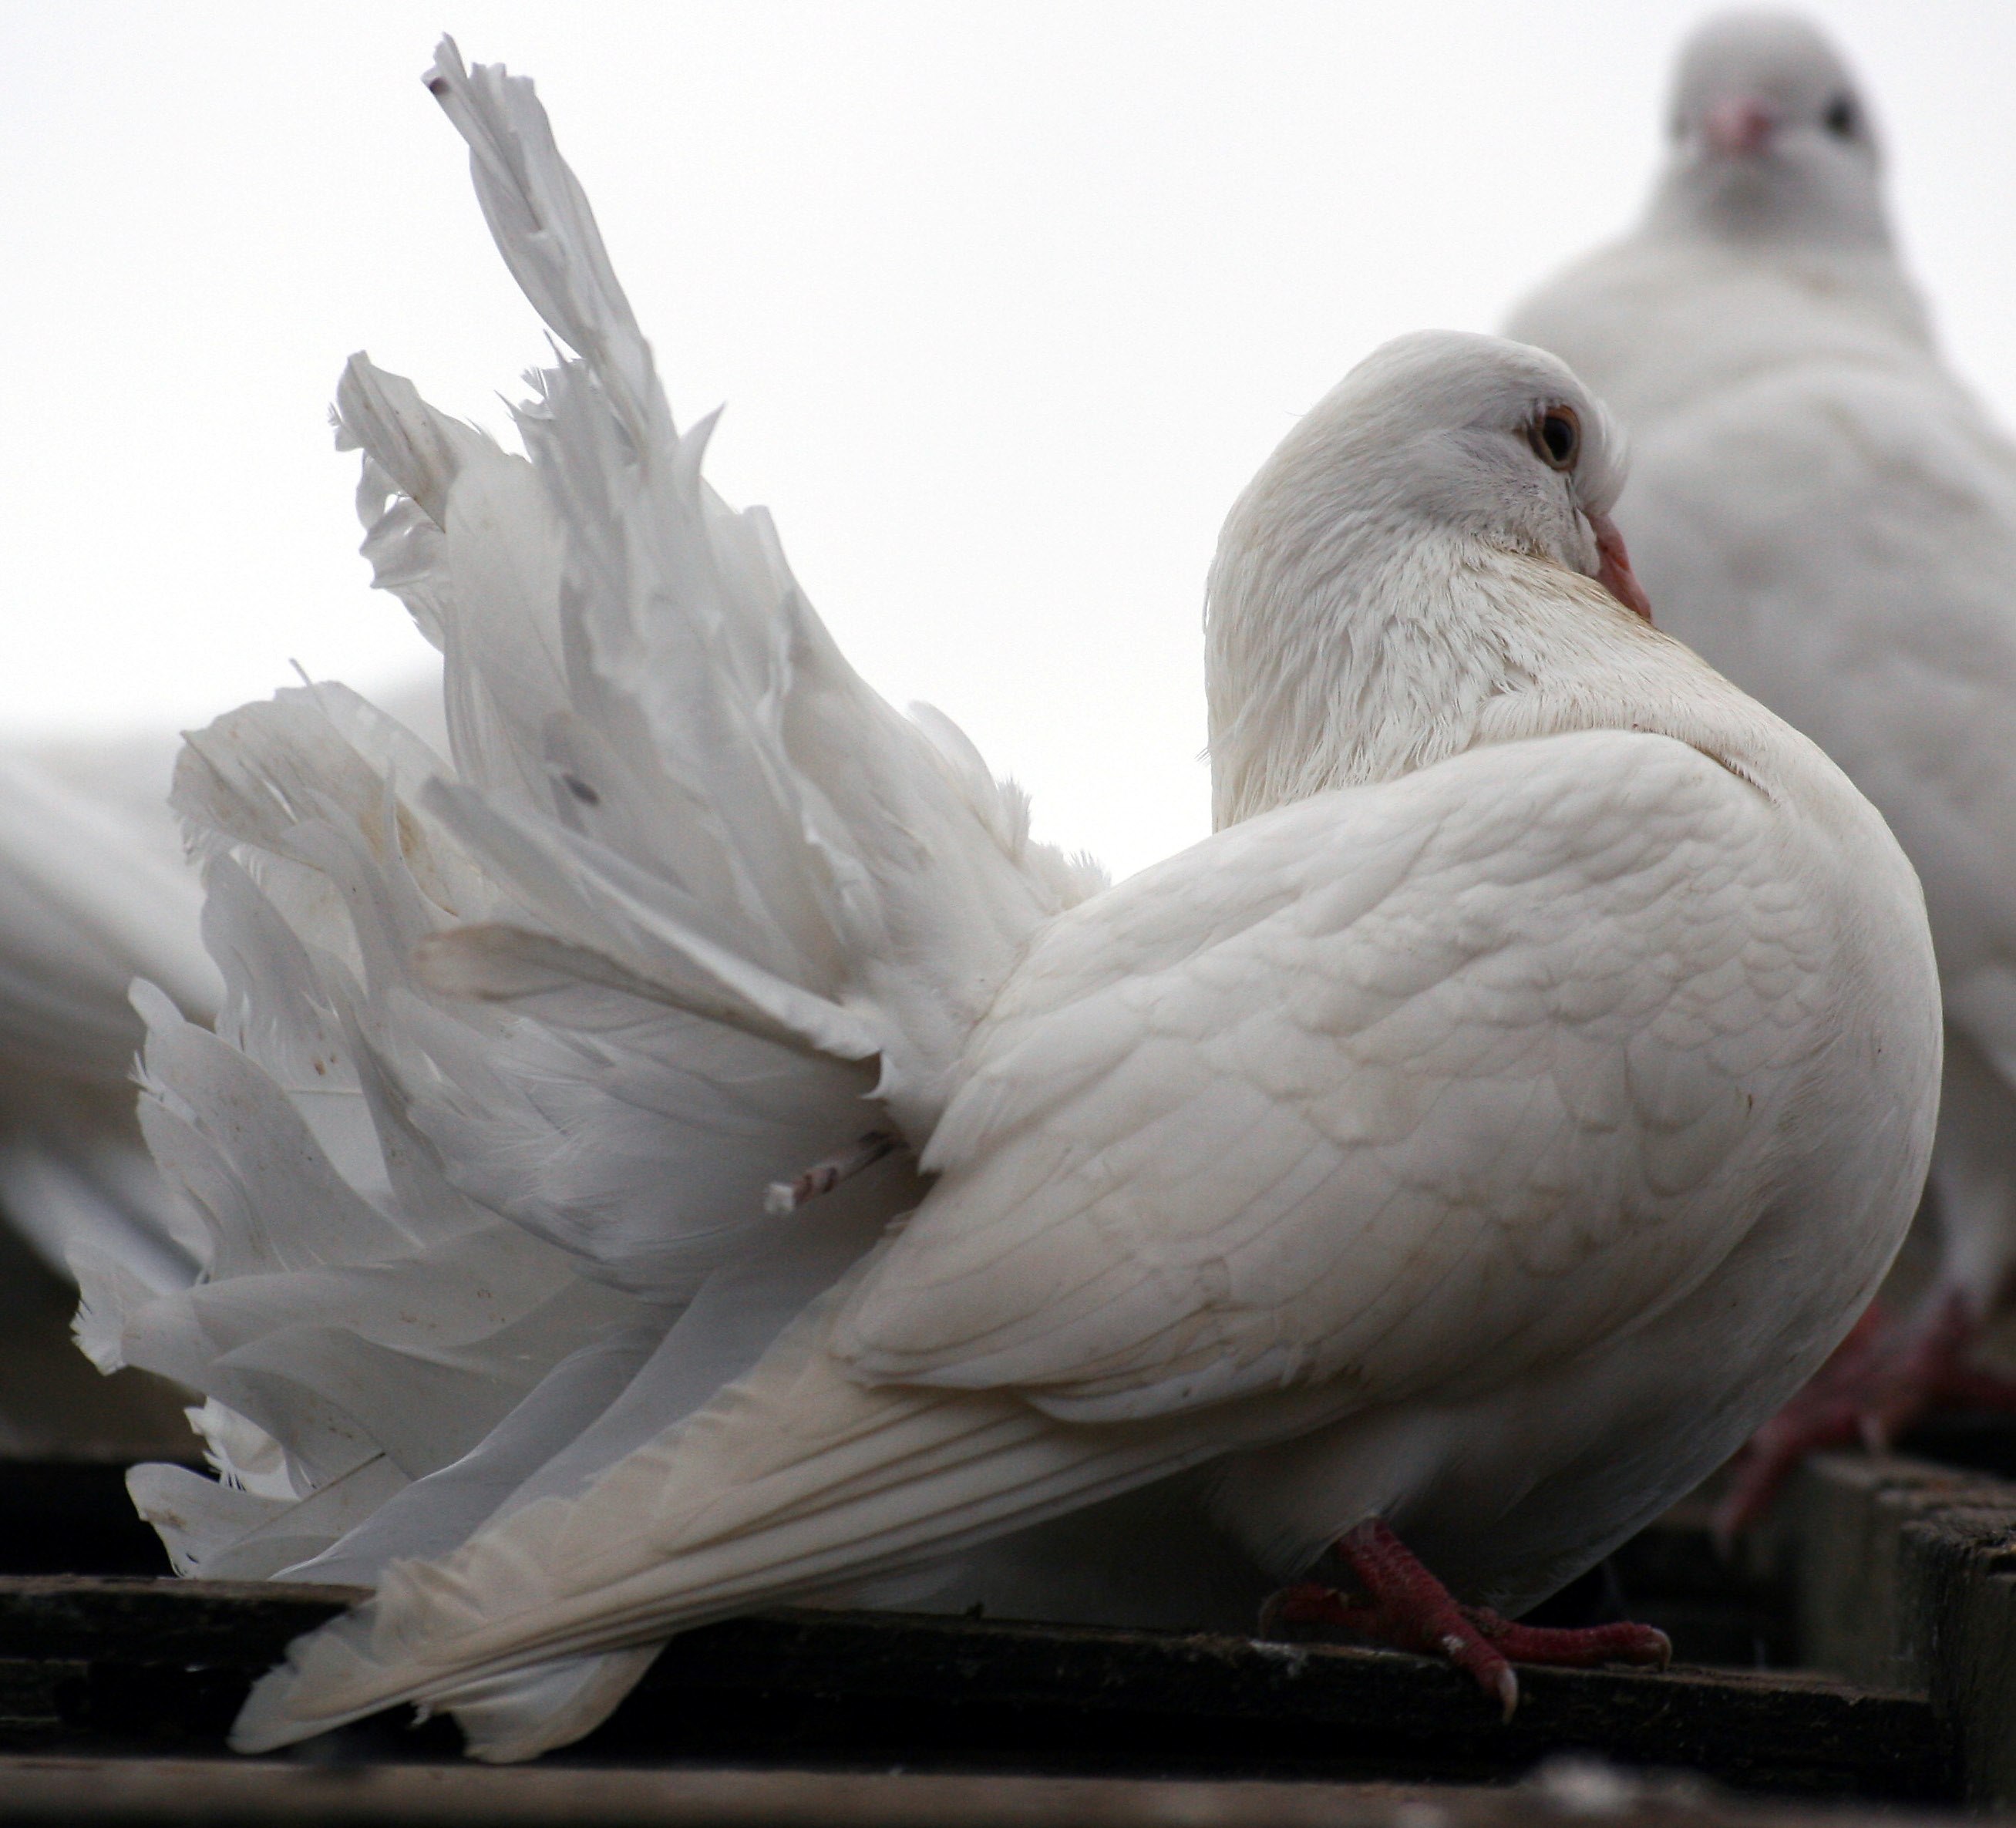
[(1556, 436)]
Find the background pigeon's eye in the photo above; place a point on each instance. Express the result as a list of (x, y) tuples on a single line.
[(1556, 436), (1839, 120)]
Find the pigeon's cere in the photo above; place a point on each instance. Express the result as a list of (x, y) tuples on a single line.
[(1424, 1179), (1614, 573), (1740, 128), (1822, 510)]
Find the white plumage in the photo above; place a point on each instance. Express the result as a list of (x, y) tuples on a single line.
[(1483, 1131), (1822, 510)]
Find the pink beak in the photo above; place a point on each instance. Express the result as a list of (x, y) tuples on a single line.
[(1739, 129), (1614, 572)]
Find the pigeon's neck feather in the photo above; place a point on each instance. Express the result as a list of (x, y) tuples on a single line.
[(1375, 677), (1788, 202)]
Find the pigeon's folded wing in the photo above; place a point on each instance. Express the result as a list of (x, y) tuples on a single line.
[(1418, 1087)]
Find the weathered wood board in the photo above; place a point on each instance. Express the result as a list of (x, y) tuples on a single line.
[(138, 1667), (1896, 1576), (163, 1793), (1903, 1573)]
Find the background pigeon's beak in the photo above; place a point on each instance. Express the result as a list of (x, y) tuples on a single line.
[(1738, 129), (1614, 573)]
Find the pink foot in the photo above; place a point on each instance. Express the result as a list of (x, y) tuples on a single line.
[(1882, 1378), (783, 1197), (1406, 1607)]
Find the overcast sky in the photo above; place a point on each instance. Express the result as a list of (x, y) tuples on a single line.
[(1006, 302)]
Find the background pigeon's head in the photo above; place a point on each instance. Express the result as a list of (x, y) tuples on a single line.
[(1772, 140), (1443, 432)]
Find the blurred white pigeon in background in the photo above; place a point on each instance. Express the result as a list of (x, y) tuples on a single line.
[(1821, 510), (1469, 1144), (94, 889)]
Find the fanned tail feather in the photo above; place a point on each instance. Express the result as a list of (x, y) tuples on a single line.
[(546, 1014)]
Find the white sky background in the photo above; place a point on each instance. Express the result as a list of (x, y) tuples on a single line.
[(1006, 304)]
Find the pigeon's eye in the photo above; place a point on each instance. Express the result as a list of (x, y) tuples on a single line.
[(1839, 120), (1556, 436)]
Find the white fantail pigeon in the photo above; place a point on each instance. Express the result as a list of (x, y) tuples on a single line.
[(689, 1150), (1821, 510)]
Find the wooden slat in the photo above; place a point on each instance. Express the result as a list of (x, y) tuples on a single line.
[(163, 1793), (1905, 1574), (237, 1623), (136, 1666)]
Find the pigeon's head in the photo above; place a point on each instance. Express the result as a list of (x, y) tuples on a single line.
[(1772, 139), (1372, 586), (1444, 433)]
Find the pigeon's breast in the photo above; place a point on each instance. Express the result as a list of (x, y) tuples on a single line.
[(1653, 326), (1510, 1480)]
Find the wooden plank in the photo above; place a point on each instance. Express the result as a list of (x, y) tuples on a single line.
[(239, 1623), (74, 1517), (135, 1666), (1905, 1574), (162, 1793)]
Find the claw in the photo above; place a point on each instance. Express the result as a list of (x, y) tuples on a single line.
[(1406, 1607), (782, 1198), (1625, 1642)]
